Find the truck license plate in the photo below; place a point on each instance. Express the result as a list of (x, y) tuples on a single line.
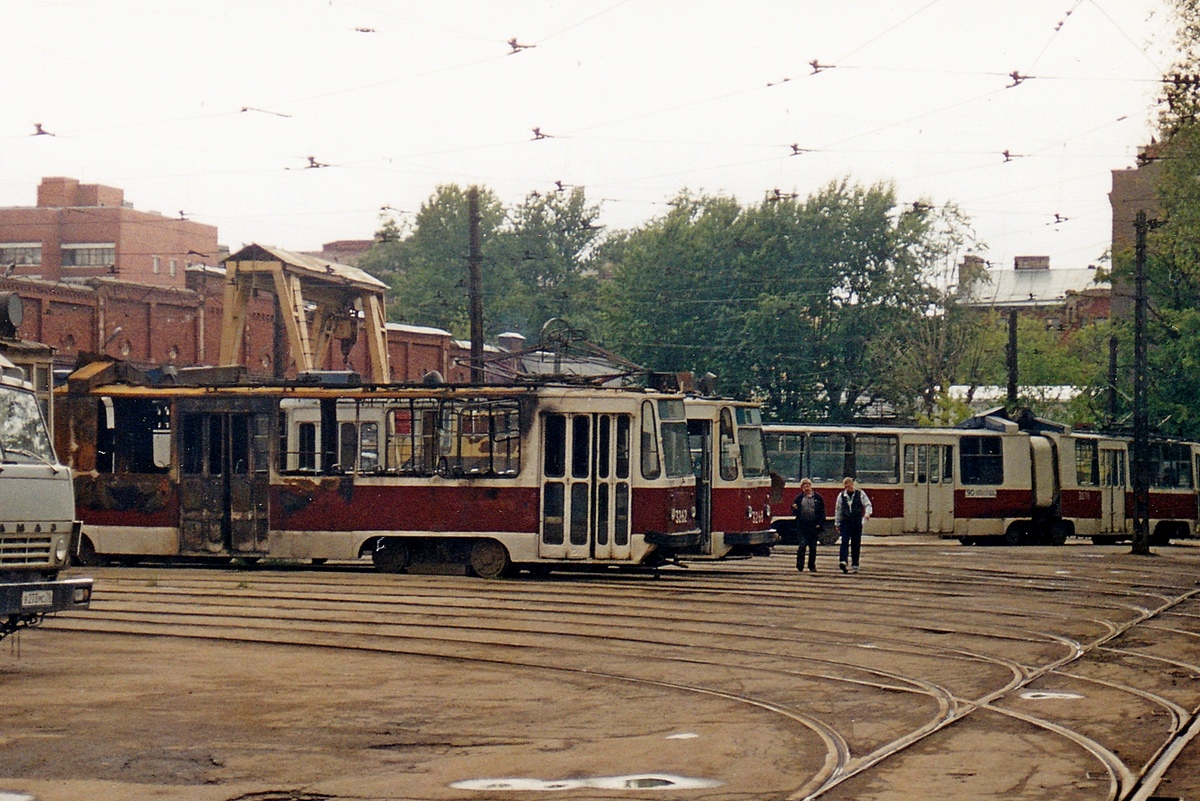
[(37, 598)]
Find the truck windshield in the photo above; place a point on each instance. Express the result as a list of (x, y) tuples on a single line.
[(23, 436)]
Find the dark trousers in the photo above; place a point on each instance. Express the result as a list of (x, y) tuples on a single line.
[(806, 538), (812, 555), (851, 543)]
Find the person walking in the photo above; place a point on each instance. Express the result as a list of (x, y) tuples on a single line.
[(853, 508), (809, 509)]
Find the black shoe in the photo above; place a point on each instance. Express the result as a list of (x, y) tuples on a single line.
[(812, 570), (842, 565)]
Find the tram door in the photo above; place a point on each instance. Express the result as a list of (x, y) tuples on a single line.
[(700, 443), (585, 486), (1112, 491), (929, 488), (224, 480)]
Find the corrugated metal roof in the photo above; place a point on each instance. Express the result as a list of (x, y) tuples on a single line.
[(1032, 287), (313, 265)]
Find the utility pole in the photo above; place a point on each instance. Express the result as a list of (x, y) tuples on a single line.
[(1111, 413), (1010, 355), (1141, 418), (475, 285)]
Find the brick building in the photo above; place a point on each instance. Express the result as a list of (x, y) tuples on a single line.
[(79, 231)]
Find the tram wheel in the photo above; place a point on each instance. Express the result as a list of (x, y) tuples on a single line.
[(489, 559), (390, 555), (1016, 534)]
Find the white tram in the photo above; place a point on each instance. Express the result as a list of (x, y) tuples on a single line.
[(1022, 481)]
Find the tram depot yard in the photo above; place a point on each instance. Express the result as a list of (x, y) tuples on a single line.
[(940, 671)]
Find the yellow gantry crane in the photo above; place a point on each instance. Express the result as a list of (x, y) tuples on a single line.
[(338, 297)]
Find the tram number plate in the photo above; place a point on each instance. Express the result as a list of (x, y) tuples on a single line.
[(37, 598)]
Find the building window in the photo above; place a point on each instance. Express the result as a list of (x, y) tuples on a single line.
[(20, 253), (174, 266), (92, 255), (156, 265)]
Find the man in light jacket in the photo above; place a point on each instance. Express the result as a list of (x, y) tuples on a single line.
[(851, 510)]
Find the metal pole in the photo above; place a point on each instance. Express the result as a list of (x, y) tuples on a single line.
[(475, 286), (1141, 419), (1112, 382)]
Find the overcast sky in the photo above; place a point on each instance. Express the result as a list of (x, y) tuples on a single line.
[(213, 108)]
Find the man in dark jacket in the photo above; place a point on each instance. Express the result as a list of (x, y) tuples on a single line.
[(809, 509)]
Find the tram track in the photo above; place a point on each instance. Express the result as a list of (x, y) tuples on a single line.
[(519, 625)]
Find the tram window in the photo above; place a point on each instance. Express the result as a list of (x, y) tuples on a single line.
[(581, 449), (261, 442), (981, 460), (754, 460), (216, 444), (829, 455), (677, 456), (580, 499), (877, 458), (348, 449), (368, 447), (1170, 465), (413, 437), (650, 464), (785, 454), (480, 438), (1087, 463), (306, 447), (133, 436), (748, 416), (554, 458), (239, 444), (191, 445), (1113, 466), (603, 447), (623, 446), (728, 448), (552, 512), (621, 515), (910, 464), (602, 491)]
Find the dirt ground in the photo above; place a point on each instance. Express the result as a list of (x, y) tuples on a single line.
[(91, 714)]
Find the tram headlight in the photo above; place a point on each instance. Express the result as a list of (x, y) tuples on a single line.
[(60, 550)]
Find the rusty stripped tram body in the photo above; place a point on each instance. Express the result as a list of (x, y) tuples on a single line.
[(37, 510), (490, 479)]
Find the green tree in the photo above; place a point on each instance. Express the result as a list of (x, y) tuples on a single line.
[(536, 261), (784, 300)]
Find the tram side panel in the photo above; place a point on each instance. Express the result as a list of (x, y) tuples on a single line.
[(120, 456)]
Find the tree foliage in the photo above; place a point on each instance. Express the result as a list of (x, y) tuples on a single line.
[(536, 261), (789, 300)]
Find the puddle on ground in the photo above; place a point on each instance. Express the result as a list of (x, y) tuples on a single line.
[(1046, 695), (643, 781), (687, 735), (15, 797)]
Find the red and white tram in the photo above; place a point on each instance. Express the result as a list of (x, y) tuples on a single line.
[(992, 479), (487, 478), (733, 485)]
